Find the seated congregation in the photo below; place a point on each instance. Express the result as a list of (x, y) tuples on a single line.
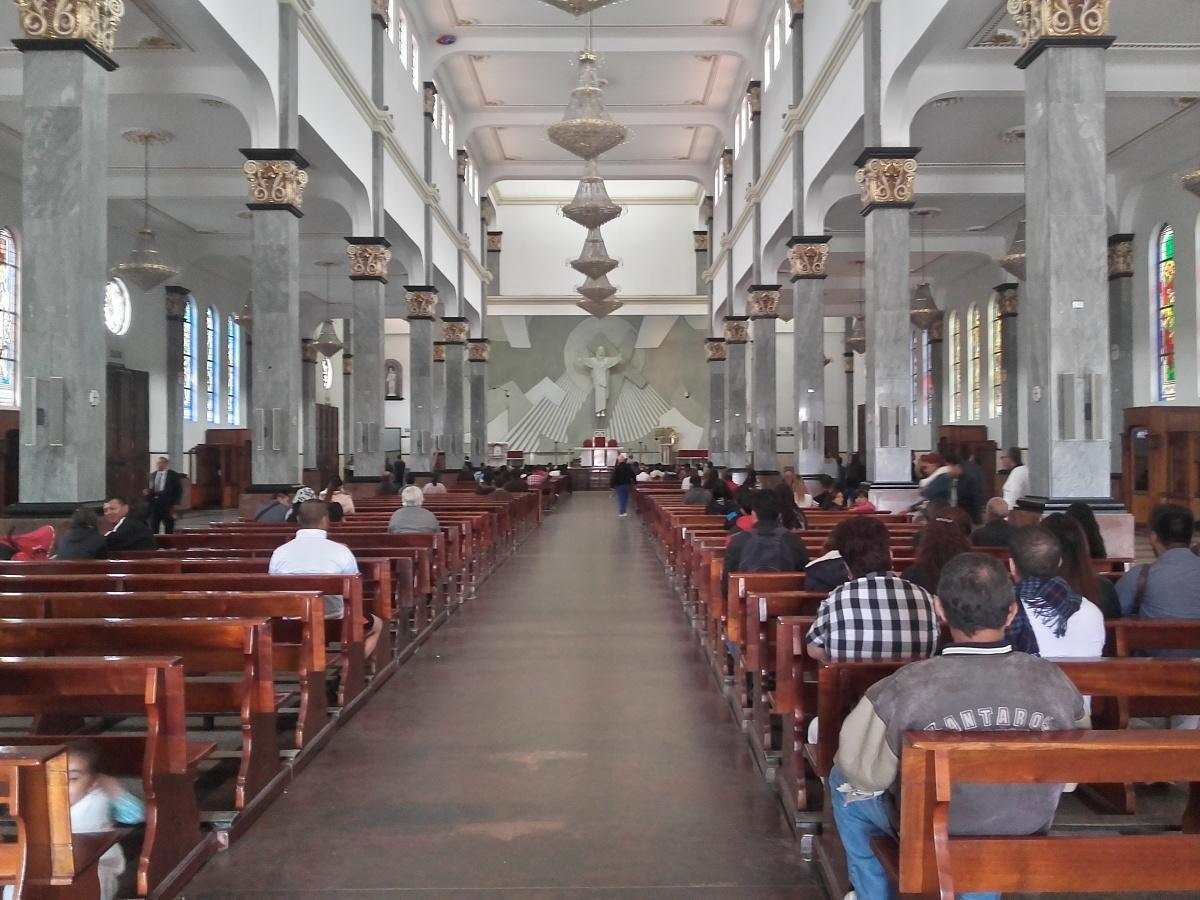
[(949, 703), (158, 692)]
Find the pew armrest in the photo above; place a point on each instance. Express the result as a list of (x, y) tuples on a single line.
[(198, 751), (91, 846)]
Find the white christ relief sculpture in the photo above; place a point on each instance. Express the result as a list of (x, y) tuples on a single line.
[(600, 366)]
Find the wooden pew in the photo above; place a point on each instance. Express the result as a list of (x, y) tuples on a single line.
[(46, 860), (205, 647), (928, 861), (298, 633), (173, 846)]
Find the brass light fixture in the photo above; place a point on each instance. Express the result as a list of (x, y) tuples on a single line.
[(587, 130), (922, 310), (328, 343), (592, 207), (1013, 262), (146, 266), (594, 261)]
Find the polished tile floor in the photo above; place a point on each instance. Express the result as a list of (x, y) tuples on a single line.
[(560, 737)]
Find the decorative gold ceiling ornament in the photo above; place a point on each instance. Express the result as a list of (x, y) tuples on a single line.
[(1008, 297), (479, 350), (146, 266), (714, 349), (886, 182), (764, 301), (587, 130), (1039, 19), (737, 330), (808, 257), (422, 303), (1120, 256), (94, 21), (592, 207), (1013, 262), (275, 183), (368, 261), (455, 330), (580, 7), (439, 351), (594, 261)]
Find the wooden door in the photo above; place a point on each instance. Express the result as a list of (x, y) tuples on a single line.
[(327, 441), (128, 428), (832, 447)]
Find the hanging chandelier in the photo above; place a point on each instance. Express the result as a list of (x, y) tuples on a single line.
[(597, 289), (594, 261), (146, 266), (580, 7), (1013, 262), (592, 207), (922, 310), (587, 130), (328, 343)]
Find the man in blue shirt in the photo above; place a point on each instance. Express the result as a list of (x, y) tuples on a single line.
[(1168, 588)]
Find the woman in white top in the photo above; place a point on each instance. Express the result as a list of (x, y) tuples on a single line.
[(1017, 485), (335, 493), (434, 486)]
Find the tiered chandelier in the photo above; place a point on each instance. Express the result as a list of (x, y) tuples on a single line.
[(588, 131), (146, 266)]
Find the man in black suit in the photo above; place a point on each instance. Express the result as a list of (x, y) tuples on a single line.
[(163, 494), (996, 531), (129, 532)]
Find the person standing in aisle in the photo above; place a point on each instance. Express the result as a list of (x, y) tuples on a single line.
[(622, 481)]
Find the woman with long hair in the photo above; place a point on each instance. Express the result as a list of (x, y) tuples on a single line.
[(1076, 567), (335, 492), (941, 541), (1082, 513), (791, 516)]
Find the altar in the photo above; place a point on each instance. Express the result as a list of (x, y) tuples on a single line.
[(598, 453)]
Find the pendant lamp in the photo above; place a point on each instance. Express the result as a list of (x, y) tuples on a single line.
[(922, 310), (328, 343), (146, 266)]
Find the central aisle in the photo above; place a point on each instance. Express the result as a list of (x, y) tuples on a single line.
[(561, 736)]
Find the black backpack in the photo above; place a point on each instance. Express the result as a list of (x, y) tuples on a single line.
[(770, 552)]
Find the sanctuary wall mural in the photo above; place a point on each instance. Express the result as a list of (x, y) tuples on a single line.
[(558, 380)]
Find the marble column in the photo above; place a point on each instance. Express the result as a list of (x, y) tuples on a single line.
[(1008, 299), (764, 315), (64, 190), (349, 422), (851, 406), (1064, 331), (715, 353), (737, 335), (454, 333), (176, 303), (310, 360), (885, 178), (495, 243), (1120, 331), (439, 395), (369, 258), (478, 354), (277, 179), (700, 243), (937, 373), (808, 259), (422, 303)]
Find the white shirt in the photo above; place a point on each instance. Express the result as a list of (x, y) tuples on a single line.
[(312, 553), (160, 480), (1083, 639), (1017, 485), (431, 488), (686, 484), (643, 476)]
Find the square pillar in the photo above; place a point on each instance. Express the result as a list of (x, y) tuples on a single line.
[(176, 306), (715, 353), (937, 374), (737, 335), (478, 354), (808, 259), (764, 314), (1120, 333), (1008, 300), (310, 359), (369, 258), (439, 396), (422, 303), (454, 334)]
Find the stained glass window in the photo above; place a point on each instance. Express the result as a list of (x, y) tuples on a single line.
[(996, 350), (118, 311), (233, 371), (1165, 300), (10, 302), (212, 383), (975, 356), (956, 366), (189, 360)]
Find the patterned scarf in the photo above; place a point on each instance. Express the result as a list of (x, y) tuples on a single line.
[(1051, 600)]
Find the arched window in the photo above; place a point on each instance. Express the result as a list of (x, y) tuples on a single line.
[(118, 311), (1164, 298), (233, 371), (996, 351), (212, 382), (10, 308), (189, 360), (956, 367), (975, 357)]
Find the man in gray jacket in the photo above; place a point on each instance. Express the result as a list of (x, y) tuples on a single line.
[(977, 683)]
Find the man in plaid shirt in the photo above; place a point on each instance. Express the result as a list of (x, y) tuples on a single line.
[(877, 614)]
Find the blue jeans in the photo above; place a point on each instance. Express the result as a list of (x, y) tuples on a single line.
[(622, 498), (857, 823)]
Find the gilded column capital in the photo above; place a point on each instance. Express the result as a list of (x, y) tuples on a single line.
[(176, 301), (754, 92), (1120, 256), (369, 258), (1060, 20), (737, 329), (764, 301), (348, 364), (422, 301), (308, 350), (886, 177), (937, 329), (700, 241), (380, 12), (91, 23), (439, 351), (848, 362), (495, 241), (276, 179), (714, 349), (455, 330), (429, 99), (808, 256), (1008, 298), (479, 350)]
